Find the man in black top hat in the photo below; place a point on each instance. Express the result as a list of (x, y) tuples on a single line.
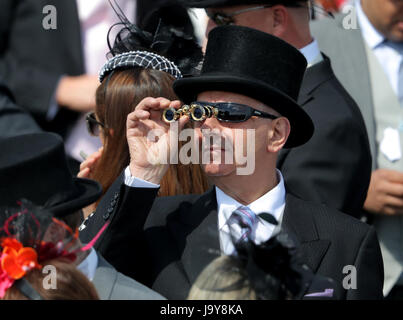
[(34, 167), (334, 167), (171, 239)]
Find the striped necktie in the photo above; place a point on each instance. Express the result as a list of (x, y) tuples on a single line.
[(246, 219)]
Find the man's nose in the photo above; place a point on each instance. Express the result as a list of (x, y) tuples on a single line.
[(210, 123)]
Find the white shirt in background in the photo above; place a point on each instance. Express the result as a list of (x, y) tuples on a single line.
[(389, 56)]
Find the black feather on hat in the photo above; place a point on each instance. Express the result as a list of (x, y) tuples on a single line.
[(169, 40), (230, 3)]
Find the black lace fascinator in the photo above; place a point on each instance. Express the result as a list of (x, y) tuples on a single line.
[(29, 236), (170, 48), (275, 271), (272, 270)]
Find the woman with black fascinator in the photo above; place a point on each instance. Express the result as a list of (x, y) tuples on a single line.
[(271, 270), (141, 65)]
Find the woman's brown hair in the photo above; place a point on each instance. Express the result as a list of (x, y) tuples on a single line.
[(118, 96), (71, 284)]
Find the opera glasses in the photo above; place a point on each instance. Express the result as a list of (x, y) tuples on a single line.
[(196, 112)]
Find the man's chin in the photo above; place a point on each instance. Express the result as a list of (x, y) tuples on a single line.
[(396, 34), (218, 170)]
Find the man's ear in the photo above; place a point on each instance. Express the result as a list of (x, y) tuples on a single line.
[(280, 20), (278, 134)]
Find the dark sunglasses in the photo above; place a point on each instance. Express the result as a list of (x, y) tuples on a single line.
[(225, 111), (224, 19), (93, 124)]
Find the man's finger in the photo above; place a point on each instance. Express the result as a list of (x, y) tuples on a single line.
[(175, 104), (135, 116), (391, 210), (182, 122), (396, 202), (391, 175), (153, 104), (147, 103), (164, 102), (84, 173), (86, 163), (392, 188)]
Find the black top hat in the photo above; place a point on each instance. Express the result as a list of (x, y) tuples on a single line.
[(228, 3), (255, 64), (34, 167)]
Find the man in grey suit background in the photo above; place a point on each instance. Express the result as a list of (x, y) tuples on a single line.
[(366, 48), (34, 167)]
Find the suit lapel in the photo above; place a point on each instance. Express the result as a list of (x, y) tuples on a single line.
[(313, 78), (201, 229), (202, 245), (299, 221)]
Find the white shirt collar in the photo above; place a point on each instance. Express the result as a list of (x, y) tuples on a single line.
[(89, 265), (312, 53), (372, 36), (272, 202)]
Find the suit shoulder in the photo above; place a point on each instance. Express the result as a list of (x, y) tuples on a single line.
[(129, 289), (334, 109), (330, 221)]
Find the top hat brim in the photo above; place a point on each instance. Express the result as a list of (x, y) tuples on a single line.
[(89, 192), (229, 3), (302, 127)]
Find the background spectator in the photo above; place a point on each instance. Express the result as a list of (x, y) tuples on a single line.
[(52, 73), (366, 48), (122, 88)]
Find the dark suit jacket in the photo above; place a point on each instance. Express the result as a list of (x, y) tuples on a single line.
[(334, 166), (166, 242), (33, 59)]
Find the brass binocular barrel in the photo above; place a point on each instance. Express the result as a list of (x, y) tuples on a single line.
[(196, 112)]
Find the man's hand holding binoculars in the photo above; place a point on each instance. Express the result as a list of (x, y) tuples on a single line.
[(148, 137)]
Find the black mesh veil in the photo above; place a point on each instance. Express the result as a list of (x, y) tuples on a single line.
[(169, 40)]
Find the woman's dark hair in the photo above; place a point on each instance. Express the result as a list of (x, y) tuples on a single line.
[(125, 89)]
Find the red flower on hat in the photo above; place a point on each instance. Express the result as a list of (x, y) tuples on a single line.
[(17, 260)]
